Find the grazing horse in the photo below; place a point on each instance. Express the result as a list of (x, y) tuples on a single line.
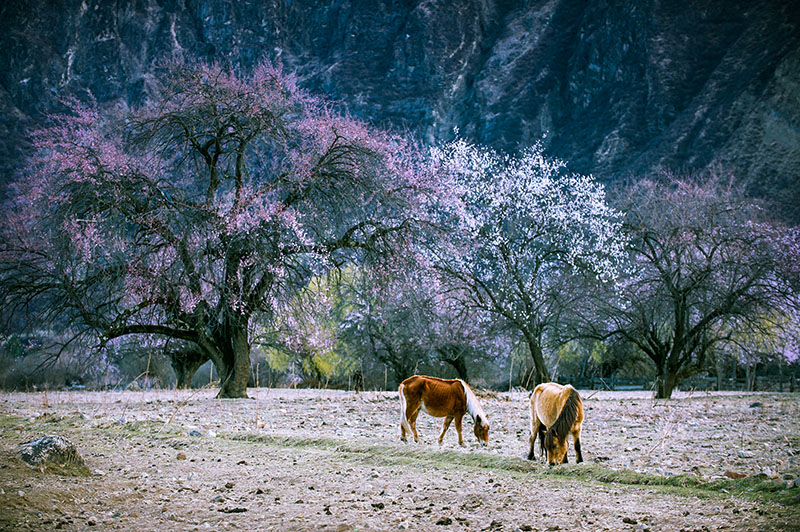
[(447, 398), (556, 412)]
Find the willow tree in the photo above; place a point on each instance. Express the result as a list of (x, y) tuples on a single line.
[(194, 216)]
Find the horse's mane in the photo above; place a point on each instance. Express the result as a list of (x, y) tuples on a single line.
[(473, 406), (566, 418)]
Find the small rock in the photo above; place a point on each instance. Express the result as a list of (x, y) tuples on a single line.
[(121, 421), (797, 482), (195, 433), (98, 472), (734, 474), (755, 405), (91, 521), (241, 462), (378, 505), (235, 510), (19, 427), (181, 456), (629, 520), (444, 521), (229, 485), (211, 434)]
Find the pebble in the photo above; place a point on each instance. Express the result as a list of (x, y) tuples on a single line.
[(797, 482), (734, 474), (194, 433), (181, 456)]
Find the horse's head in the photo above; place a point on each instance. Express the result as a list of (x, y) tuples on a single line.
[(482, 430), (556, 448)]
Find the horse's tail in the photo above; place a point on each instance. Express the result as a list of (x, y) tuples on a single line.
[(569, 414), (403, 405)]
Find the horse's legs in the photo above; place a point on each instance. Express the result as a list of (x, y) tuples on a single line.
[(542, 434), (445, 426), (535, 424), (412, 421), (458, 429), (576, 436)]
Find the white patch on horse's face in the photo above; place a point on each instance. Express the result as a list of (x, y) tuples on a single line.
[(482, 432)]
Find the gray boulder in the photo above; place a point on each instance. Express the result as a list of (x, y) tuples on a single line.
[(50, 450)]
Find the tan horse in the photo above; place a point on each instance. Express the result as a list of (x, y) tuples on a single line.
[(447, 398), (556, 412)]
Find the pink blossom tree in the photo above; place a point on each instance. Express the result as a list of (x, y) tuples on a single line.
[(195, 216), (707, 268), (524, 227)]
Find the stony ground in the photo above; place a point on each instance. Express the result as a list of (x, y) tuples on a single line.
[(332, 460)]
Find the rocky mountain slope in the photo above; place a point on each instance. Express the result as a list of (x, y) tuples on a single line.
[(618, 88)]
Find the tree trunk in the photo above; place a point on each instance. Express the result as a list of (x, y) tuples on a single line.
[(185, 364), (234, 363), (460, 367), (454, 356), (666, 381), (540, 373)]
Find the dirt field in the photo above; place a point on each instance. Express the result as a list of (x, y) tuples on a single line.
[(331, 460)]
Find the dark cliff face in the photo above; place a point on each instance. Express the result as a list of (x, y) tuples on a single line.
[(619, 88)]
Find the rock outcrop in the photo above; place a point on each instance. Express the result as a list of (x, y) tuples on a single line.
[(619, 88)]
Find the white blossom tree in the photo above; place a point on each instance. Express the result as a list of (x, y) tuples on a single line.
[(522, 227)]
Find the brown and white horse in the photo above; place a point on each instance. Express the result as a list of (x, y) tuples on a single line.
[(447, 398), (556, 412)]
